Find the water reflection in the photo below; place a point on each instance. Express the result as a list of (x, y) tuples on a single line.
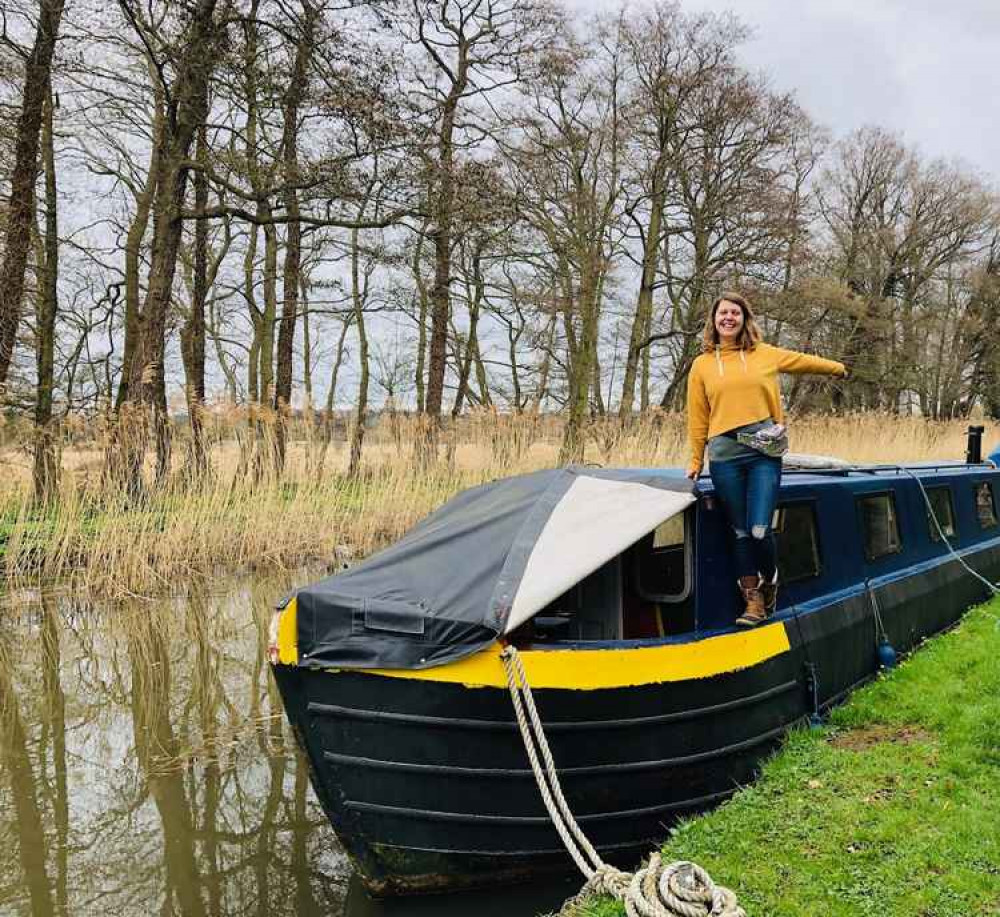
[(146, 768)]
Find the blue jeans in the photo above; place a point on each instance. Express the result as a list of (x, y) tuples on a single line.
[(748, 488)]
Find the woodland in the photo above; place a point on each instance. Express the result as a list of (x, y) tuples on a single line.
[(278, 210)]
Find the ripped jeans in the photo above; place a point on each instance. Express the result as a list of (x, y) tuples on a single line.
[(748, 488)]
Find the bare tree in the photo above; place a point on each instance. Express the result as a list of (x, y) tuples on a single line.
[(293, 241), (900, 229), (187, 107), (728, 212), (669, 56), (570, 182), (474, 49)]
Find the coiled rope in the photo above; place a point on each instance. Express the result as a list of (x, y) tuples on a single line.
[(679, 889)]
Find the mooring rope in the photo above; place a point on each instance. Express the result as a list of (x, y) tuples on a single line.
[(679, 889), (992, 587)]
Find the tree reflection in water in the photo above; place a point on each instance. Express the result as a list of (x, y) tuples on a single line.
[(145, 767)]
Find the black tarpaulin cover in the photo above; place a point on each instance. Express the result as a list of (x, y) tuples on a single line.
[(480, 565)]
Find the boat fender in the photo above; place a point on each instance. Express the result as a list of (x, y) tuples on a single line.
[(812, 686), (886, 653)]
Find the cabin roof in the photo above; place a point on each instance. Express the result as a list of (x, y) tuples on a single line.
[(856, 474)]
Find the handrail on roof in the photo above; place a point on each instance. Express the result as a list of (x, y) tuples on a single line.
[(837, 468), (845, 470)]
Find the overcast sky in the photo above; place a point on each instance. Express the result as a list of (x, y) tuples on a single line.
[(928, 69)]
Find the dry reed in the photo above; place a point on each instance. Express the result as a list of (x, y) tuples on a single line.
[(244, 516)]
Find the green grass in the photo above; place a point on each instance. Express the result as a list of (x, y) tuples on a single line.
[(891, 810)]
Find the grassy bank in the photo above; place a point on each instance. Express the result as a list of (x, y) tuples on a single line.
[(95, 538), (892, 810)]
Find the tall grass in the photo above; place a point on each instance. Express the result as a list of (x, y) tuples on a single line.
[(245, 516)]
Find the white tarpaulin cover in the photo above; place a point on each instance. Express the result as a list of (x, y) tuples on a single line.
[(593, 522), (481, 565)]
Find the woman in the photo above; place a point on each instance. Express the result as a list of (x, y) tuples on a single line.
[(733, 390)]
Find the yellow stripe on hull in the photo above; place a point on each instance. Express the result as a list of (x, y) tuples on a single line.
[(591, 669)]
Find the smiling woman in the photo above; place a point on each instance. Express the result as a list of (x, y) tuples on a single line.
[(734, 406)]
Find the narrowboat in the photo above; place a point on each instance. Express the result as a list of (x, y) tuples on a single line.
[(617, 588)]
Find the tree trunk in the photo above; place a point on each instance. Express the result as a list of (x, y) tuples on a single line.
[(482, 381), (21, 205), (307, 383), (644, 379), (361, 410), (193, 332), (471, 345), (542, 391), (598, 395), (256, 317), (441, 236), (644, 307), (420, 370), (46, 467), (582, 369), (293, 237), (270, 315), (133, 245), (515, 376), (331, 394)]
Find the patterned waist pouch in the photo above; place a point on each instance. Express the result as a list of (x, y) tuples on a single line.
[(770, 440)]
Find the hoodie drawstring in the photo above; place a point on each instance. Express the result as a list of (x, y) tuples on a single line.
[(718, 361)]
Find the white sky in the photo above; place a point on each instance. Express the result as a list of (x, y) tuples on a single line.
[(927, 69)]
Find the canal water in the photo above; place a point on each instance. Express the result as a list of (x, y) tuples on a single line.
[(146, 769)]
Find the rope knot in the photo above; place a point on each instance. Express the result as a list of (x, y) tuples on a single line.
[(608, 880)]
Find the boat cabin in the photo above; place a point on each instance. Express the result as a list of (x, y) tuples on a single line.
[(835, 529)]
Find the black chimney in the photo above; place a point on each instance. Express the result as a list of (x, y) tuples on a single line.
[(974, 449)]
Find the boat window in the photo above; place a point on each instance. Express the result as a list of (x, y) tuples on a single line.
[(940, 502), (798, 545), (880, 525), (669, 534), (985, 507), (661, 562)]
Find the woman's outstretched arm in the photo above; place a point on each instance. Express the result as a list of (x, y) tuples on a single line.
[(792, 361)]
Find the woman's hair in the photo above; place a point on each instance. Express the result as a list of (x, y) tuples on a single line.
[(750, 334)]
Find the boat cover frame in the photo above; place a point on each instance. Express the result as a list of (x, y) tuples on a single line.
[(481, 565)]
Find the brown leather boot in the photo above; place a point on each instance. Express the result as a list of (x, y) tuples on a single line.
[(754, 613), (769, 592)]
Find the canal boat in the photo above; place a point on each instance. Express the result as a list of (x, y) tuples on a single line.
[(617, 588)]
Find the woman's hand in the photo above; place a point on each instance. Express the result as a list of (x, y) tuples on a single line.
[(692, 473)]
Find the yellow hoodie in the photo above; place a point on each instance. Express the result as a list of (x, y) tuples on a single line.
[(731, 387)]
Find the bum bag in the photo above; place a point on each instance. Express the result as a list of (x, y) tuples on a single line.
[(771, 440)]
